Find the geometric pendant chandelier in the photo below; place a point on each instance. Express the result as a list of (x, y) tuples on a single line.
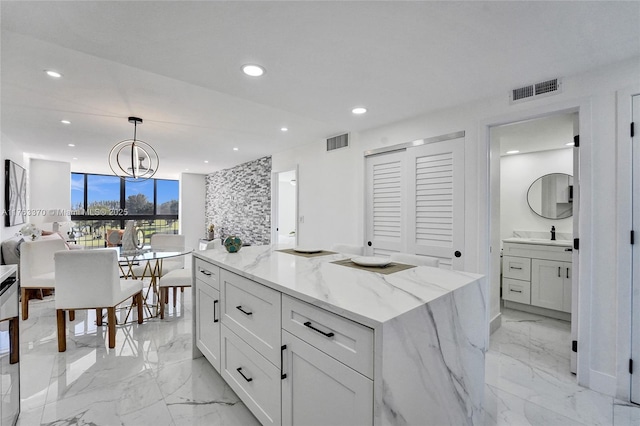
[(133, 160)]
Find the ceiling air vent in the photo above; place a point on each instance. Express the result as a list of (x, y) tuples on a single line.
[(536, 90), (337, 142)]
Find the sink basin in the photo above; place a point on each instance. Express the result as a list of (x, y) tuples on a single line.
[(542, 241)]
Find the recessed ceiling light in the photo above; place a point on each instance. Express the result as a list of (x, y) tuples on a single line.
[(515, 151), (284, 129), (65, 121), (186, 170), (235, 149), (359, 110), (75, 158), (54, 74), (570, 144), (206, 161), (71, 144), (253, 70)]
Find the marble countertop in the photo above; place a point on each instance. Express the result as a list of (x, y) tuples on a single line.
[(539, 241), (368, 297), (6, 271)]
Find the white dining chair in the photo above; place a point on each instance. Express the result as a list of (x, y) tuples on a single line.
[(37, 268), (415, 259), (348, 249), (162, 241), (90, 279), (179, 278)]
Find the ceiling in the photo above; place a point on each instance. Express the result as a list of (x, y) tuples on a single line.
[(177, 66)]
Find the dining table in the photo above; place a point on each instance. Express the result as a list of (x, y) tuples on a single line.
[(151, 261)]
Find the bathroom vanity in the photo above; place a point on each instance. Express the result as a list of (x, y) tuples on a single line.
[(536, 276), (303, 340)]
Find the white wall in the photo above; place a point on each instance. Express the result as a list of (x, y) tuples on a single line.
[(10, 151), (192, 208), (331, 193), (49, 189), (516, 175)]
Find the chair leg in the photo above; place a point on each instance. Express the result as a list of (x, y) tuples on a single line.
[(99, 317), (111, 318), (62, 330), (138, 299), (175, 296), (163, 300), (25, 303), (72, 315)]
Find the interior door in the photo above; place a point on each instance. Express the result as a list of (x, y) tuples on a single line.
[(635, 307), (575, 279), (386, 203), (435, 211)]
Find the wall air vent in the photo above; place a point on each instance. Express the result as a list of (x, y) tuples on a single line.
[(536, 90), (337, 142)]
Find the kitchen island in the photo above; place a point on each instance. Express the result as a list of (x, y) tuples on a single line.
[(303, 340)]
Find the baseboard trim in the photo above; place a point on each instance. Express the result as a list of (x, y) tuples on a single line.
[(602, 382), (564, 316), (495, 323)]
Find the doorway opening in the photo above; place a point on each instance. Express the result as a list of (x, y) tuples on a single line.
[(534, 201), (285, 207)]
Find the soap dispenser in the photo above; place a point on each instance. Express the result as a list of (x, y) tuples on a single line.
[(553, 233)]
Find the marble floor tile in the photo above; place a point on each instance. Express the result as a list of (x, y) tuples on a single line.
[(149, 378)]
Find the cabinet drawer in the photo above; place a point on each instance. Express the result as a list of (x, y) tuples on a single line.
[(516, 290), (252, 377), (207, 273), (518, 268), (252, 311), (347, 341)]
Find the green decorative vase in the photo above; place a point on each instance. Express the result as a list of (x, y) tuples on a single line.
[(233, 244)]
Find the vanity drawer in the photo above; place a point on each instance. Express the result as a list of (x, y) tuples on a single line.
[(252, 311), (518, 268), (516, 290), (347, 341), (252, 377), (207, 273)]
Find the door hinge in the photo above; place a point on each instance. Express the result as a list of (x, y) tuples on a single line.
[(576, 243), (576, 141), (574, 346), (630, 366), (632, 236), (633, 129)]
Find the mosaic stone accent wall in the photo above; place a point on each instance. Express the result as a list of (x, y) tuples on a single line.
[(239, 201)]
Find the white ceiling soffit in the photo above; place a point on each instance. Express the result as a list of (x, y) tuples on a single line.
[(176, 64)]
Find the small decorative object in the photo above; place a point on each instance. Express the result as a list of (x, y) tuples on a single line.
[(210, 232), (233, 244), (30, 232), (130, 238)]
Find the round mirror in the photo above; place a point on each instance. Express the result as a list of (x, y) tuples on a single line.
[(551, 196)]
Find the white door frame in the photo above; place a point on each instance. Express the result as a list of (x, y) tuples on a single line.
[(625, 224), (275, 208), (583, 107)]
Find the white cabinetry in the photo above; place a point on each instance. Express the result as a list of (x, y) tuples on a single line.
[(207, 302), (537, 275)]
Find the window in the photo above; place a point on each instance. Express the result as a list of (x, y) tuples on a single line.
[(100, 203)]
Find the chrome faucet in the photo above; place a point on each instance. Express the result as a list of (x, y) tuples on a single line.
[(553, 233)]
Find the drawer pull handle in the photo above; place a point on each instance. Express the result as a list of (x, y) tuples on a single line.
[(559, 268), (239, 307), (204, 271), (515, 291), (308, 324), (283, 375), (248, 379), (568, 249), (215, 302), (513, 267), (567, 272)]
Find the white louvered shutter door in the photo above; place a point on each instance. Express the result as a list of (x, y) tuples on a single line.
[(435, 205), (385, 199)]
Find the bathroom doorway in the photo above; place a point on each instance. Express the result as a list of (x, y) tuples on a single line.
[(285, 207), (533, 197)]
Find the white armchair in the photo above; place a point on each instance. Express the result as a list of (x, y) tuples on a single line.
[(37, 267), (179, 278), (90, 279), (415, 259)]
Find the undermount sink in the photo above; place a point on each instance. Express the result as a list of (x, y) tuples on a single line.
[(548, 241)]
